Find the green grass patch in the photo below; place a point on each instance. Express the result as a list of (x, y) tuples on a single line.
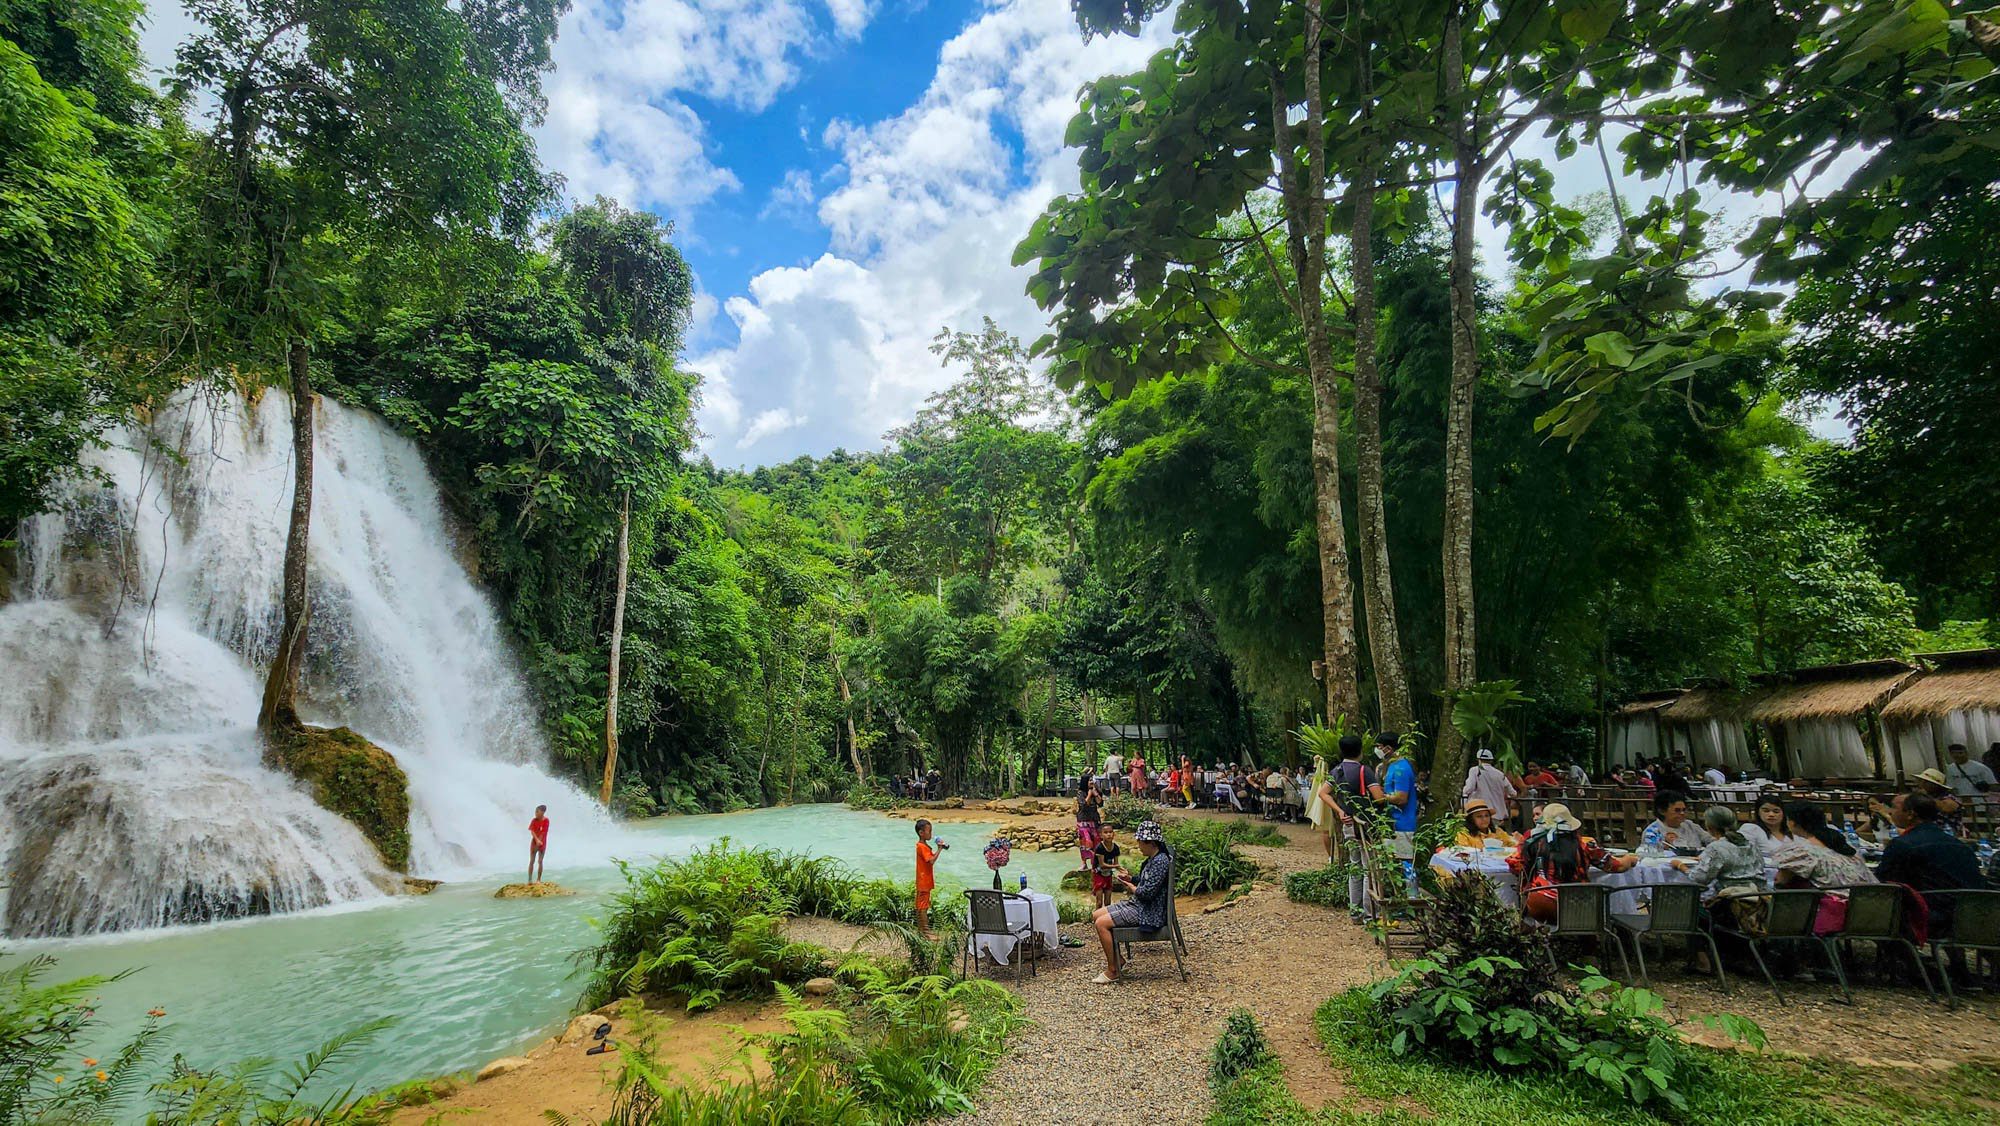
[(1719, 1086)]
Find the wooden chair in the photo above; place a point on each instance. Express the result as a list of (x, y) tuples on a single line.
[(1676, 911), (988, 909), (1975, 927), (1584, 911), (1393, 916), (1124, 938)]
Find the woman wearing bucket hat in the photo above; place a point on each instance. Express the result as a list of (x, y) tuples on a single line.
[(1557, 852), (1147, 908)]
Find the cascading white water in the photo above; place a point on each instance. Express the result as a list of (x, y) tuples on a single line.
[(144, 613)]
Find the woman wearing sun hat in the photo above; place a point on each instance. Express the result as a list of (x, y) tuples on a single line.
[(1557, 852), (1147, 909), (1480, 827)]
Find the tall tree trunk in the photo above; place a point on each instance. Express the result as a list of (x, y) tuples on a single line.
[(847, 716), (1460, 664), (279, 710), (1378, 590), (1305, 216), (617, 648)]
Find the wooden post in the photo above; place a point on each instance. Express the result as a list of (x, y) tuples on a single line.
[(617, 645)]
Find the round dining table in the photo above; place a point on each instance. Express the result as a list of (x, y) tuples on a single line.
[(1451, 863), (1037, 909), (1631, 888)]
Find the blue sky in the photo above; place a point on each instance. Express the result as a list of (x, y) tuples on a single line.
[(846, 177)]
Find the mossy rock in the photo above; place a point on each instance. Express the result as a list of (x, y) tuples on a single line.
[(354, 778)]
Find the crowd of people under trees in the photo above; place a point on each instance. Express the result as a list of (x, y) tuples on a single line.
[(1916, 836)]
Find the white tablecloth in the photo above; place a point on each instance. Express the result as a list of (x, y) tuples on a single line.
[(1505, 883), (1038, 909), (1630, 887)]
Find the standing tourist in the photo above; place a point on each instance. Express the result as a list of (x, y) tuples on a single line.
[(1397, 792), (1147, 909), (1489, 784), (1104, 866), (1114, 769), (1138, 769), (1968, 779), (1088, 823), (927, 854), (538, 843)]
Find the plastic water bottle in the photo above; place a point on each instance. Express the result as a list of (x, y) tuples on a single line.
[(1654, 841), (1024, 881), (1853, 838)]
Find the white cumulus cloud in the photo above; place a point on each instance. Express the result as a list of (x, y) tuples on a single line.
[(924, 216)]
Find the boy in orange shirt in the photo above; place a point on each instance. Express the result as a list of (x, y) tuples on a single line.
[(927, 854)]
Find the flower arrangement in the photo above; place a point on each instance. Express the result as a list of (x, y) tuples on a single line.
[(999, 851)]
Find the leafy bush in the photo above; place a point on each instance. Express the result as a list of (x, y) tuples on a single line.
[(1254, 833), (1326, 886), (1240, 1047), (41, 1027), (710, 926), (632, 799), (870, 795), (1123, 811), (1485, 991), (885, 1050), (1205, 857), (247, 1095)]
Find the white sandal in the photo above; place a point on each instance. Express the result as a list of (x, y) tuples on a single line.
[(1104, 979)]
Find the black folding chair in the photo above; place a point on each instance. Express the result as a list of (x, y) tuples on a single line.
[(1789, 918), (1124, 938), (1676, 913), (988, 909), (1875, 914), (1975, 927), (1583, 911)]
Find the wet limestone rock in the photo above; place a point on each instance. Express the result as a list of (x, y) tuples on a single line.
[(500, 1067), (582, 1028), (414, 886), (538, 890), (354, 778)]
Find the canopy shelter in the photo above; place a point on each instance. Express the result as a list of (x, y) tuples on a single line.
[(1121, 733), (1117, 733), (1825, 722), (1634, 728), (1956, 701), (1706, 724)]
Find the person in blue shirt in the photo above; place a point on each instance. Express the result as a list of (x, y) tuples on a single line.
[(1396, 793)]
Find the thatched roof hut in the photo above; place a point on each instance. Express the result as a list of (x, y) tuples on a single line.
[(1706, 724), (1956, 701), (1633, 727), (1824, 720)]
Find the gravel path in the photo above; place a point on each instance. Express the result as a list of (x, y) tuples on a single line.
[(1263, 952)]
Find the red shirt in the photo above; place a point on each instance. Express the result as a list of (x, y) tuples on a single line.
[(1541, 779), (926, 857), (538, 829)]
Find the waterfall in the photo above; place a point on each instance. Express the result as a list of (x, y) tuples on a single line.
[(146, 608)]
